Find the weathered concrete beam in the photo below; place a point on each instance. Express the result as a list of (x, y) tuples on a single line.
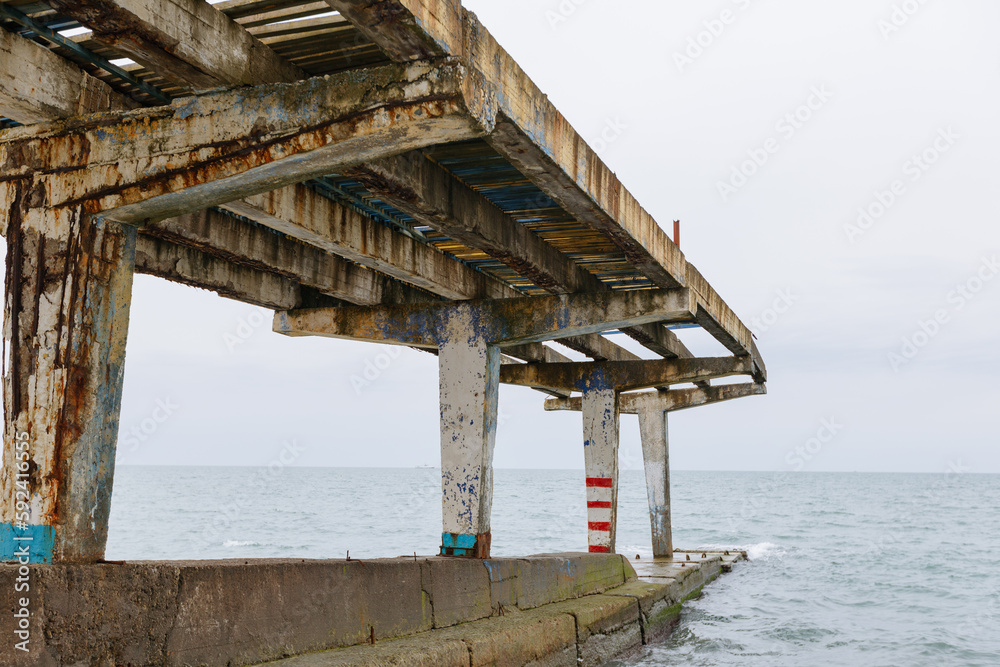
[(302, 213), (188, 41), (428, 193), (36, 85), (407, 30), (501, 322), (243, 244), (216, 252), (152, 164), (197, 269), (68, 291), (668, 401), (624, 375)]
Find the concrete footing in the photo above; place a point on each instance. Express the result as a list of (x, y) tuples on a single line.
[(540, 610)]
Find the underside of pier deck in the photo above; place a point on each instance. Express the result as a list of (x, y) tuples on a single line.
[(369, 169)]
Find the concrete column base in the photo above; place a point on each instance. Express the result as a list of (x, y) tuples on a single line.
[(466, 546)]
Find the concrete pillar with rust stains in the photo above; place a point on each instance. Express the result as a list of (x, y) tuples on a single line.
[(656, 461), (600, 451), (68, 291)]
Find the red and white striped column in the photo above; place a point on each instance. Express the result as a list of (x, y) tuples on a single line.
[(600, 451)]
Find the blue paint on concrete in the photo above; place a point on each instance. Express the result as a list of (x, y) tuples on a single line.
[(596, 379), (450, 541), (186, 108), (34, 544)]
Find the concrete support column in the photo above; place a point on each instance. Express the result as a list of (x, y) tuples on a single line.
[(469, 381), (656, 461), (600, 452), (68, 291)]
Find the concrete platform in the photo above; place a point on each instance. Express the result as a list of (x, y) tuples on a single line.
[(589, 630), (550, 609)]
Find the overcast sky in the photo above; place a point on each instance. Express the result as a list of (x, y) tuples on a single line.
[(766, 127)]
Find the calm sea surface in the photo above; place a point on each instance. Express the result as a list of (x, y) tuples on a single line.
[(846, 569)]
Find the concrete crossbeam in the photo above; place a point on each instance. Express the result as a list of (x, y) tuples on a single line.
[(624, 375), (407, 30), (502, 322), (668, 401), (37, 85), (310, 217), (199, 152), (197, 269), (301, 213), (243, 245), (428, 193), (68, 292), (162, 36)]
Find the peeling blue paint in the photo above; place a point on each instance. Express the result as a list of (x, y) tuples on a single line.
[(595, 380), (37, 542), (452, 541)]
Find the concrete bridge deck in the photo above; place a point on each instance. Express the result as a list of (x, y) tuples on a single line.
[(369, 169)]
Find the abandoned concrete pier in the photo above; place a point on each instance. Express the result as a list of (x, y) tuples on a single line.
[(376, 170)]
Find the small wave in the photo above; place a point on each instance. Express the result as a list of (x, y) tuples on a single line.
[(763, 550), (238, 543)]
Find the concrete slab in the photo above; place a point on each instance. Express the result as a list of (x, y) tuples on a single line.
[(587, 630)]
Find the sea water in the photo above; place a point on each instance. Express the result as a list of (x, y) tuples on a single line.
[(845, 569)]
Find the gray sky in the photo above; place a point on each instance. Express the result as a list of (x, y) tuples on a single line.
[(830, 298)]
